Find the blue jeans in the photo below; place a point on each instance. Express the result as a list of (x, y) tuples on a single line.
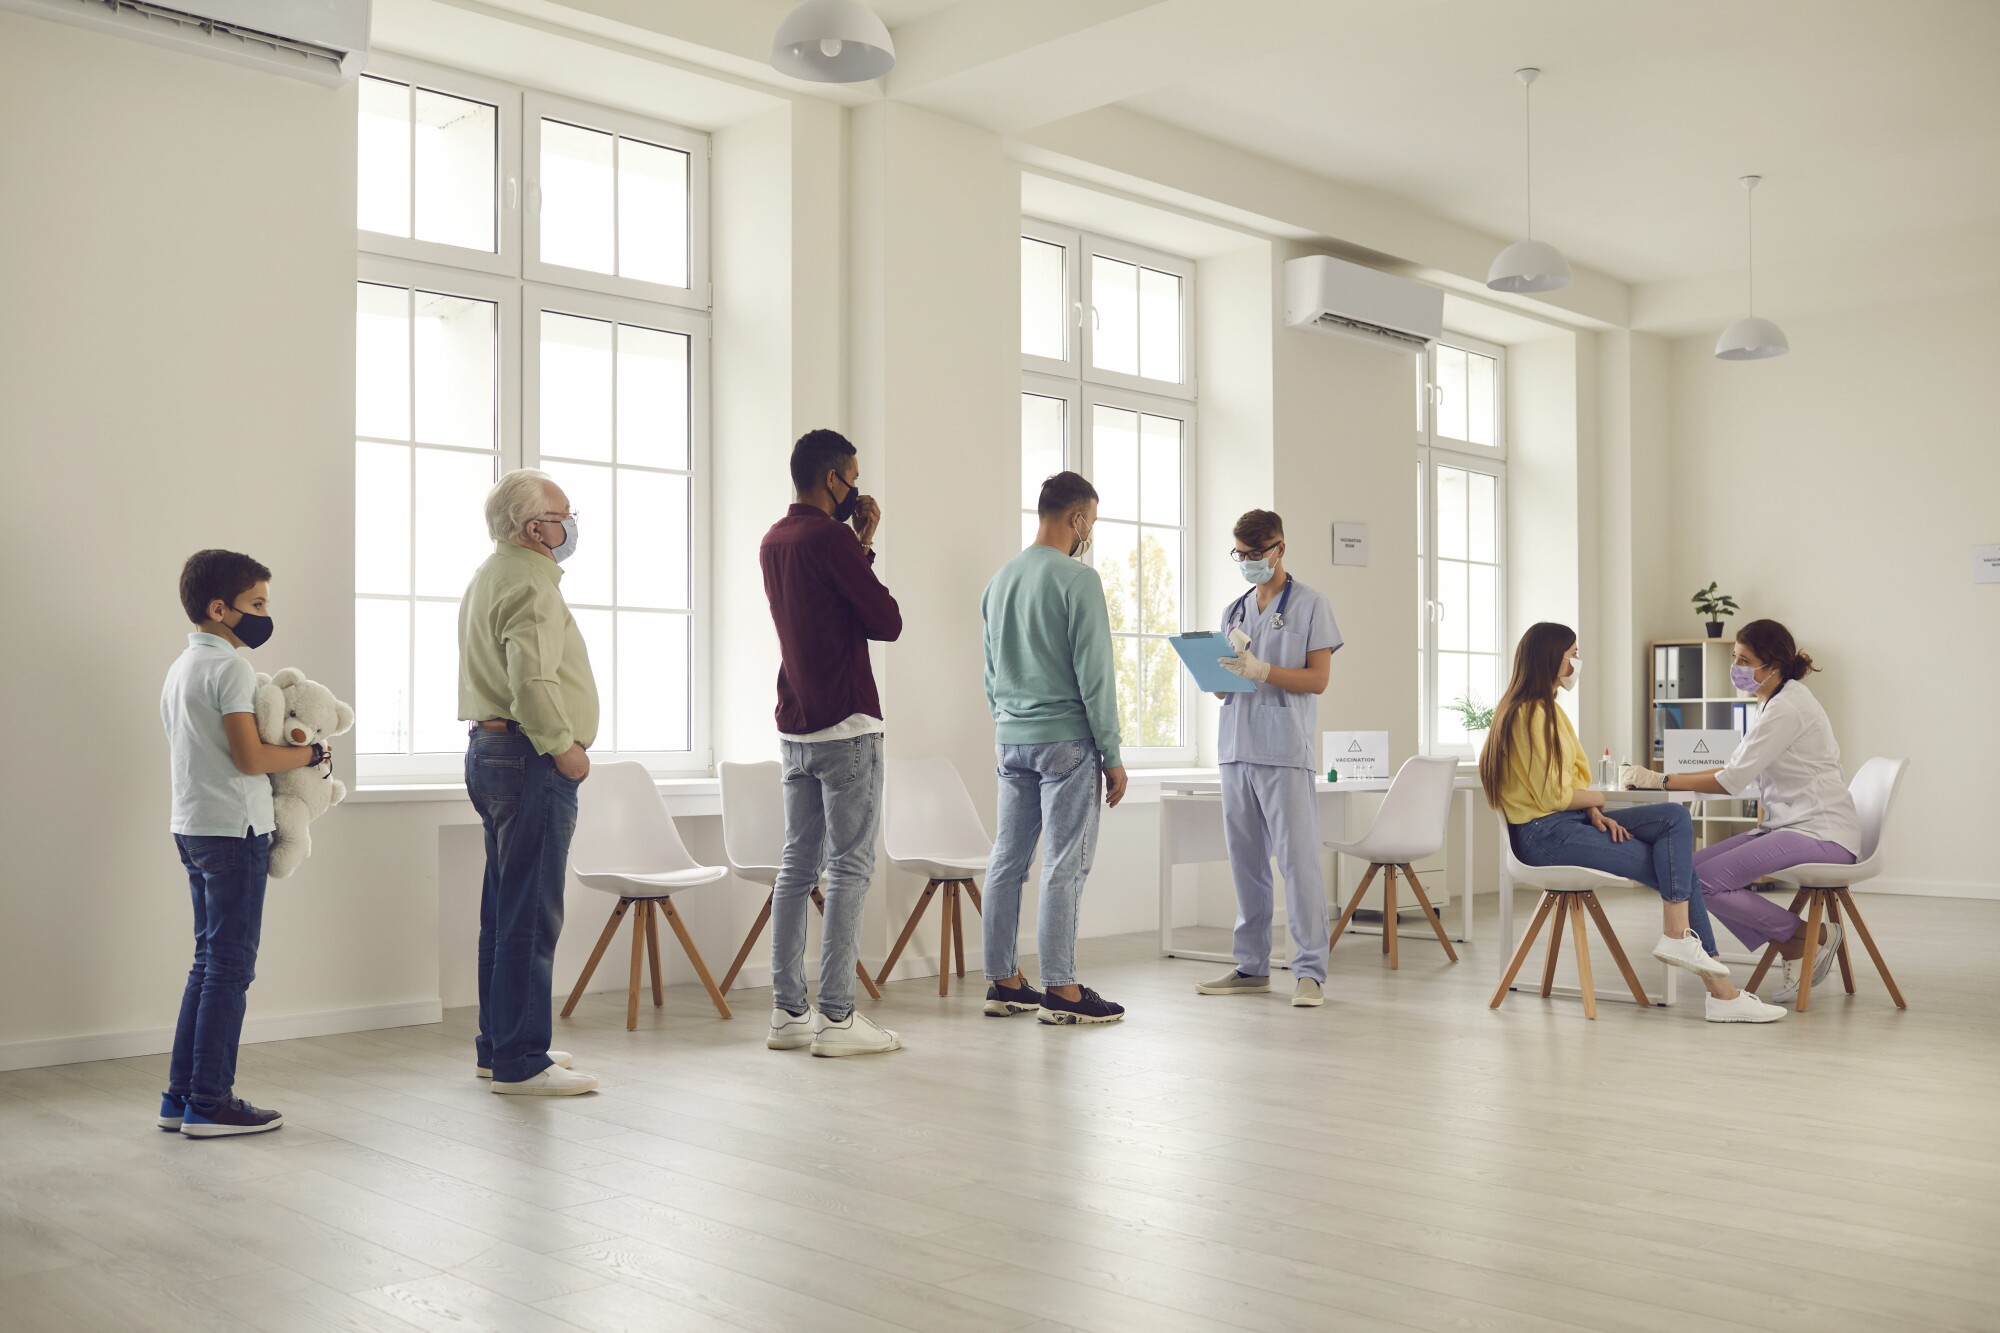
[(529, 810), (226, 878), (1660, 852), (833, 807), (1051, 788)]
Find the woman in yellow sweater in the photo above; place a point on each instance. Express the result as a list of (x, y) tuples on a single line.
[(1535, 774)]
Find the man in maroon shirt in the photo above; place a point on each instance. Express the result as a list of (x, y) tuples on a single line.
[(819, 575)]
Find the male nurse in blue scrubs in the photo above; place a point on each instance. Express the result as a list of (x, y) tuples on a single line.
[(1285, 640)]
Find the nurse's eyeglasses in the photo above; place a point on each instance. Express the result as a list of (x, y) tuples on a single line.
[(1240, 556)]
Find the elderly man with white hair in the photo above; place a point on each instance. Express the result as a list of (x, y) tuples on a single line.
[(524, 683)]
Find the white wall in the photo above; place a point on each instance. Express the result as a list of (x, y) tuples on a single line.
[(1839, 490), (177, 338)]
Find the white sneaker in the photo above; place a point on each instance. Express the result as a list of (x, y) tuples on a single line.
[(1745, 1008), (1687, 952), (789, 1031), (563, 1058), (1308, 994), (856, 1034), (555, 1081), (1824, 958)]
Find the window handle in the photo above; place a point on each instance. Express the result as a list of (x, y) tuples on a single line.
[(513, 193)]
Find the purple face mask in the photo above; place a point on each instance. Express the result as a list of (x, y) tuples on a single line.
[(1743, 678)]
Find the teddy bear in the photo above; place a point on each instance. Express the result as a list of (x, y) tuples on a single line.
[(292, 710)]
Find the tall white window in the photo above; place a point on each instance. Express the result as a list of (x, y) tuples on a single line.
[(528, 298), (1108, 390), (1461, 537)]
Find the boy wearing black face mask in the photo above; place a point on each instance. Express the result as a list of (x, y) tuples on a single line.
[(222, 828)]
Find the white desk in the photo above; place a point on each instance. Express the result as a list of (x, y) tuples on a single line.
[(1191, 833)]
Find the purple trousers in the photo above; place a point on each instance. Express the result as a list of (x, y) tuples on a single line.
[(1727, 869)]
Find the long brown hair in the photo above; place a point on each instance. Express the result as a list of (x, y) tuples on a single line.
[(1538, 665), (1775, 647)]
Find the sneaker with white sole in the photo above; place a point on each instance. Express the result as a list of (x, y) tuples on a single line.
[(1088, 1007), (1687, 952), (1824, 957), (1004, 1001), (227, 1119), (555, 1081), (1234, 983), (173, 1109), (1308, 994), (1744, 1008), (563, 1058), (789, 1031), (856, 1034)]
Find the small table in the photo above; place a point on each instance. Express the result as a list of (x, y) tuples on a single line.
[(1191, 833)]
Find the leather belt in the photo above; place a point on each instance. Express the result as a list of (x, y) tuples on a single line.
[(497, 724)]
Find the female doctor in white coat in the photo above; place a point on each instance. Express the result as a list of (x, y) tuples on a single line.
[(1790, 763), (1285, 640)]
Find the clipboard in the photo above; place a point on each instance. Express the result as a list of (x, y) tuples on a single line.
[(1203, 651)]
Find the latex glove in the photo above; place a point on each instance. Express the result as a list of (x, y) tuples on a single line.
[(1247, 665), (1634, 778), (1238, 639)]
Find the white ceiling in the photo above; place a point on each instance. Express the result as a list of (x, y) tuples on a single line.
[(1872, 122)]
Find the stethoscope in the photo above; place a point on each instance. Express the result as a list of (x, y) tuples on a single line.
[(1237, 612)]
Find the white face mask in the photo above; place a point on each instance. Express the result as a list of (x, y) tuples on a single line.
[(1569, 682)]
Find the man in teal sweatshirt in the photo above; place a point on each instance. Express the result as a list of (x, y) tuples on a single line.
[(1051, 684)]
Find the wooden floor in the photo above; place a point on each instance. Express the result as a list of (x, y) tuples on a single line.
[(1403, 1158)]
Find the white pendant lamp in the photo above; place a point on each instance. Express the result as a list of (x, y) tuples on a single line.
[(1530, 265), (833, 41), (1750, 338)]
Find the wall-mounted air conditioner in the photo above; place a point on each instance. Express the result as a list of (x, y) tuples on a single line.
[(325, 41), (1322, 292)]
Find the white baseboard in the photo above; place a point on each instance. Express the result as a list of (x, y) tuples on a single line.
[(37, 1052), (1913, 888)]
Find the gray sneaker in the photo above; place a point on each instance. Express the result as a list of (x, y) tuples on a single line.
[(1824, 958), (1235, 983), (1308, 994)]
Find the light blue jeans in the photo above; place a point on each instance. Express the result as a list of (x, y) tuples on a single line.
[(1054, 789), (833, 807)]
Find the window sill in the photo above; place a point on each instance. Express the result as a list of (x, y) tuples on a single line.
[(685, 797)]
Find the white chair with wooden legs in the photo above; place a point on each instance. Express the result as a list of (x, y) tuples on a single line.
[(1824, 886), (626, 844), (753, 841), (1409, 827), (930, 828), (1568, 892)]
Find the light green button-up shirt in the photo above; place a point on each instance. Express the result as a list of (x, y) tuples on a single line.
[(520, 654)]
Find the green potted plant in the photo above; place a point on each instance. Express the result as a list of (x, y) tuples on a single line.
[(1714, 606), (1477, 719)]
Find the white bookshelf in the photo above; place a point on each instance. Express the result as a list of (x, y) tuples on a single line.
[(1688, 687)]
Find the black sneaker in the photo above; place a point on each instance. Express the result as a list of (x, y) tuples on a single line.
[(1006, 1001), (1090, 1007), (234, 1116), (173, 1107)]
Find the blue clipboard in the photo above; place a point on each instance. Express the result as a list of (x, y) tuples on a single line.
[(1203, 651)]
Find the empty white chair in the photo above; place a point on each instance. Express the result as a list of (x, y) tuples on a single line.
[(626, 844), (1825, 884), (930, 828), (1569, 891), (753, 841), (1409, 827)]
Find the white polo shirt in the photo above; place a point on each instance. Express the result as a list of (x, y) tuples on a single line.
[(212, 797), (1790, 761)]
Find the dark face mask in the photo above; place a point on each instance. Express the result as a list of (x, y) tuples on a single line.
[(255, 631), (843, 510)]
